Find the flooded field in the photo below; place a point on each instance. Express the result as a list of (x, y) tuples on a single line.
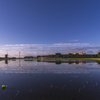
[(49, 80)]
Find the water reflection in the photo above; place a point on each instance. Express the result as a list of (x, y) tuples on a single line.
[(80, 62), (58, 62), (61, 67), (49, 80), (13, 59), (38, 60), (98, 62), (28, 60), (6, 61)]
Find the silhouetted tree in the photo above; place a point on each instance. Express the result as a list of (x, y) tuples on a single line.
[(99, 54), (38, 56), (76, 55), (58, 54)]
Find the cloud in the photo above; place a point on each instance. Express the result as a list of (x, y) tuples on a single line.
[(48, 45), (23, 48), (68, 44), (45, 49)]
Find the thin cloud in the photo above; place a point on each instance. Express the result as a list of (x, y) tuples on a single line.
[(48, 45), (23, 47), (46, 49), (68, 44)]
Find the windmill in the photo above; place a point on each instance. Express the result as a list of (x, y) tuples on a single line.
[(6, 58), (6, 55), (19, 54)]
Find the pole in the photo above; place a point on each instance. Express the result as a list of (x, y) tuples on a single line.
[(19, 54)]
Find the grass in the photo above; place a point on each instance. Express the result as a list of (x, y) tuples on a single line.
[(64, 59), (71, 59)]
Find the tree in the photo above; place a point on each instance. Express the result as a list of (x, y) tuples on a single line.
[(28, 57), (77, 54), (70, 54), (99, 54), (58, 54), (38, 56)]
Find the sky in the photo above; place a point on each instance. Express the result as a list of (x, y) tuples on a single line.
[(42, 27)]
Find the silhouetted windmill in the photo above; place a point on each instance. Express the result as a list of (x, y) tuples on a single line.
[(6, 58), (6, 55)]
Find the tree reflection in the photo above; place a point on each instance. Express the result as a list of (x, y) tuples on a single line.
[(38, 60), (70, 62), (58, 62), (99, 62), (77, 62)]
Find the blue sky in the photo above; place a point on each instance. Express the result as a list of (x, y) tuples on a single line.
[(40, 27)]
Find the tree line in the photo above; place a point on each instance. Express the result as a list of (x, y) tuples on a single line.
[(70, 55)]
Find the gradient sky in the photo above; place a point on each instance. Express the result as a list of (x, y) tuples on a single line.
[(40, 27)]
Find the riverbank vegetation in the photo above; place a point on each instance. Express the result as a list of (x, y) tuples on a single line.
[(59, 56), (71, 56)]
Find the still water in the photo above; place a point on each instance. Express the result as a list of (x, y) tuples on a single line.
[(49, 80)]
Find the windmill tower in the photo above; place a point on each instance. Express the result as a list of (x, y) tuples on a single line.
[(6, 56), (19, 55)]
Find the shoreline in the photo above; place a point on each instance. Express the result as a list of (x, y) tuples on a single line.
[(95, 59)]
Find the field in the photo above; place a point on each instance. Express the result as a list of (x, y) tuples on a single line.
[(71, 58)]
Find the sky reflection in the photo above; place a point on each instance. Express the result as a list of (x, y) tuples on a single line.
[(21, 66)]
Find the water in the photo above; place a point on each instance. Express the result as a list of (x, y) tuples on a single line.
[(49, 80)]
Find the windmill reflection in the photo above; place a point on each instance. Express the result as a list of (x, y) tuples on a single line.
[(6, 61)]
